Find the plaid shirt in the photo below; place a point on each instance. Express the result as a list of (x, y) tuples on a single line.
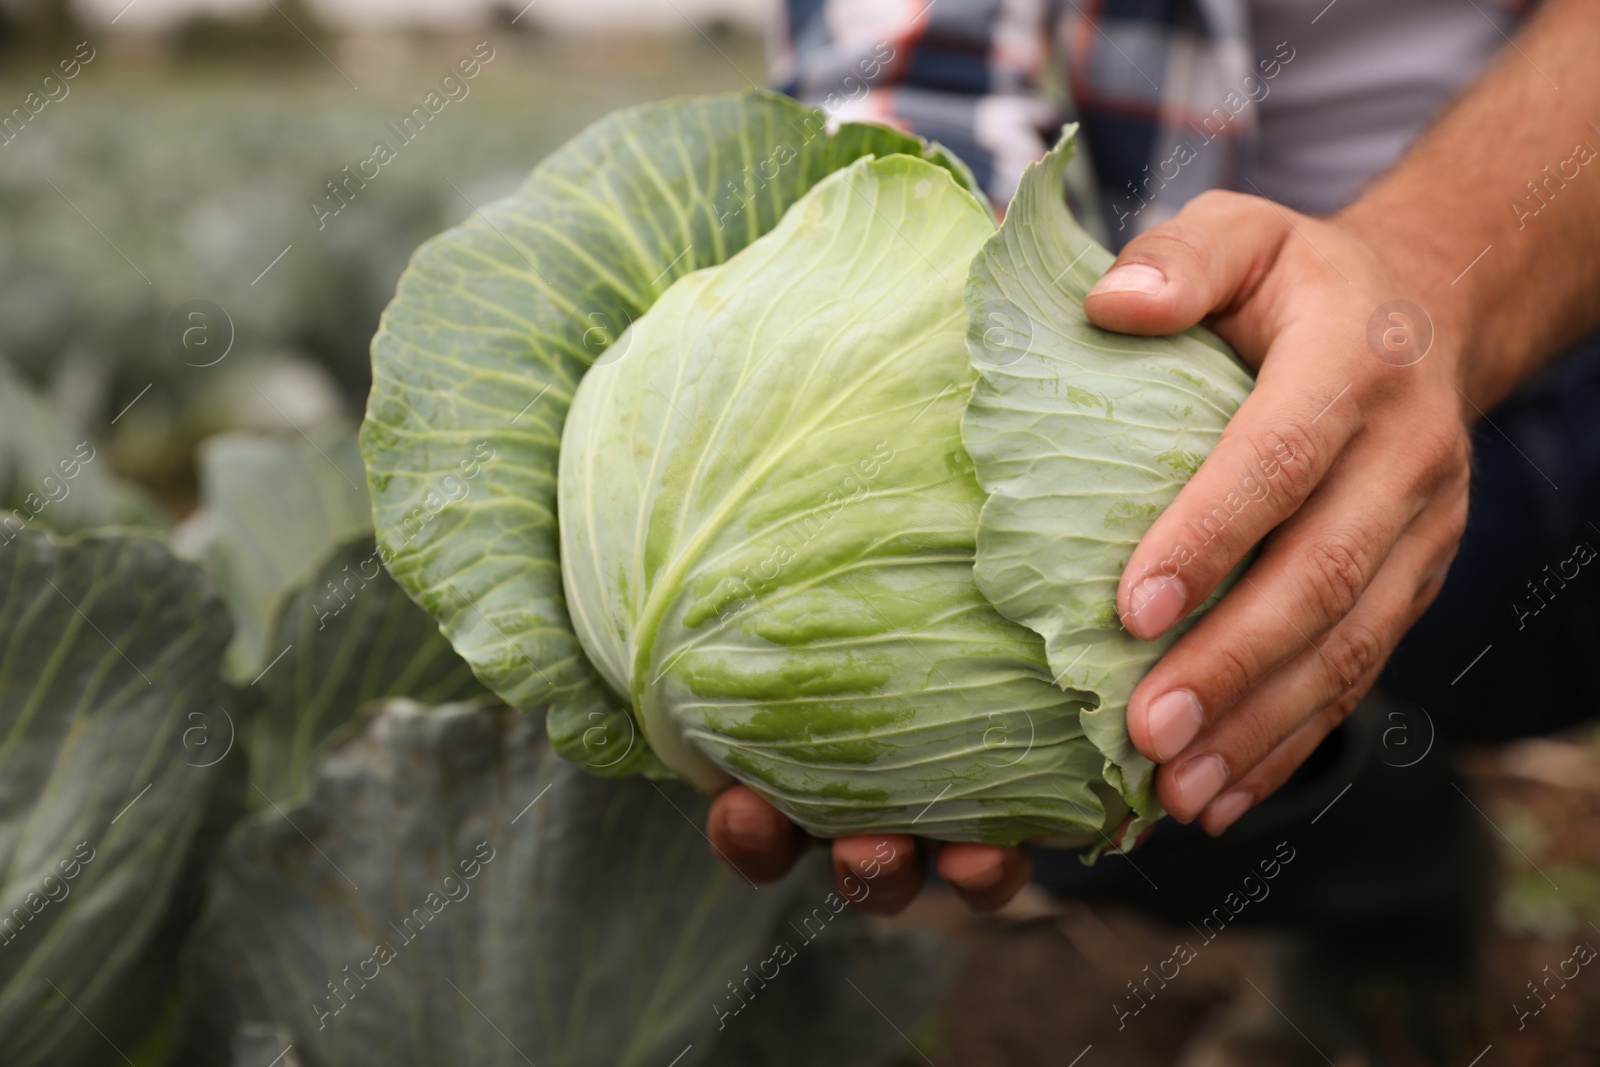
[(1162, 88)]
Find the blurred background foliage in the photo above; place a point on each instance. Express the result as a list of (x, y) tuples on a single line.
[(179, 165)]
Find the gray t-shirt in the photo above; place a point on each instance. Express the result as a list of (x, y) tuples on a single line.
[(1367, 77)]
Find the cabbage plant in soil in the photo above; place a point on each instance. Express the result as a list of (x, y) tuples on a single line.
[(806, 474)]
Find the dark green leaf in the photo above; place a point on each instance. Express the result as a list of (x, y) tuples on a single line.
[(111, 756), (348, 635), (271, 509), (453, 893), (55, 478)]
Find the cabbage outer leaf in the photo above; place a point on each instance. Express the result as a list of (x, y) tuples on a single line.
[(53, 478), (269, 510), (1080, 437), (494, 323), (352, 638), (768, 524), (112, 749), (470, 898)]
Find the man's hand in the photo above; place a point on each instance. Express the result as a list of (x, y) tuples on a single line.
[(1351, 453), (1487, 228), (877, 873), (1379, 334)]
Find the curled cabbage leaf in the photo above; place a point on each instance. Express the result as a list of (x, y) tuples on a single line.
[(768, 526), (839, 513)]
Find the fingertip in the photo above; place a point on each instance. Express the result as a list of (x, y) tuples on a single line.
[(754, 837), (1168, 723), (878, 873), (1154, 605), (1130, 279), (971, 865), (1134, 298), (1187, 787), (747, 822), (1139, 726), (874, 855), (1139, 731), (985, 876), (1225, 811)]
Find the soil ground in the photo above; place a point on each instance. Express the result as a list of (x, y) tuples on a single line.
[(1040, 978)]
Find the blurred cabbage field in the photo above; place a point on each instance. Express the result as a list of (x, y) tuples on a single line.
[(161, 179)]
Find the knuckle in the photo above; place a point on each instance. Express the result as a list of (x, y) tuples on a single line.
[(1353, 650), (1225, 209), (1447, 452), (1222, 202), (1297, 446), (1257, 736), (1454, 448), (1426, 594), (1336, 575), (1230, 673), (1286, 457), (1169, 242), (1347, 703)]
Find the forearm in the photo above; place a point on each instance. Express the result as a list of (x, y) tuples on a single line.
[(1494, 215)]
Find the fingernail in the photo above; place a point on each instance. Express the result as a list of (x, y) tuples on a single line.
[(750, 830), (1172, 720), (1154, 606), (985, 877), (1198, 781), (1130, 278), (883, 867), (1225, 811)]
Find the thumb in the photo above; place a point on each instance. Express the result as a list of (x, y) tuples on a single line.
[(1203, 260)]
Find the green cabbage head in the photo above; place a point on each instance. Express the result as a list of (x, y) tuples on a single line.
[(761, 454)]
